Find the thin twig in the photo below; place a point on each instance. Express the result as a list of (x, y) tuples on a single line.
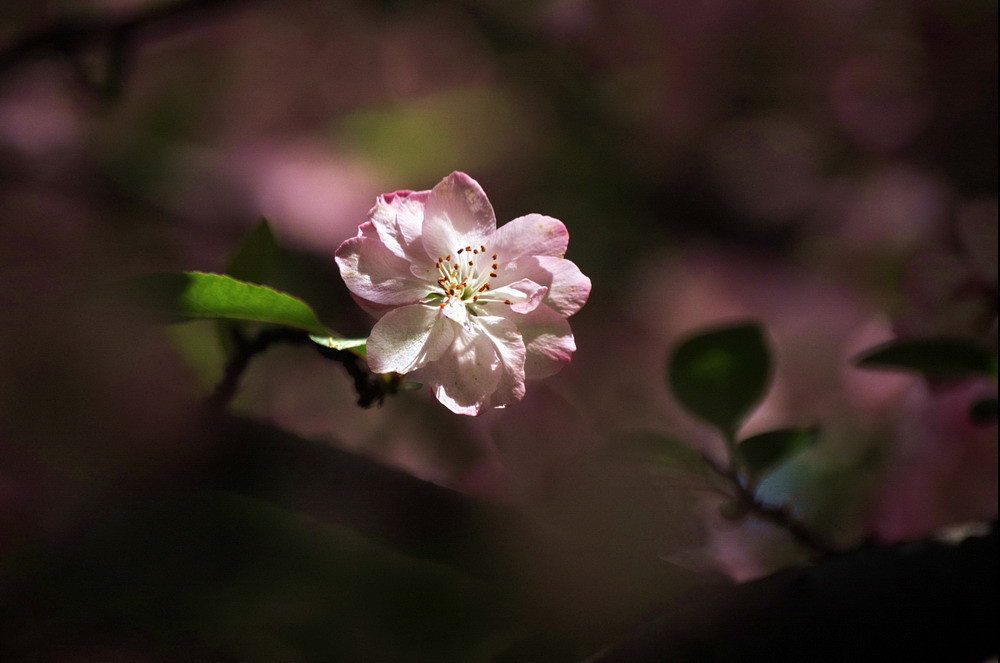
[(781, 516)]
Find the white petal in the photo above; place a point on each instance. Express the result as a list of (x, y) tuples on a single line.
[(407, 338), (510, 349), (466, 376), (455, 309)]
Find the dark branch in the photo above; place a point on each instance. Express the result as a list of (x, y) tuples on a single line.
[(371, 388), (114, 36), (782, 516), (916, 601)]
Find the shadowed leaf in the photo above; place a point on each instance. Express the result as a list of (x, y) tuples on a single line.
[(762, 453), (984, 411), (721, 375), (255, 258), (253, 262), (939, 357)]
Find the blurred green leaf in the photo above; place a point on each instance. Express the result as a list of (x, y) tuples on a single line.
[(662, 451), (199, 343), (721, 375), (429, 135), (199, 295), (938, 357), (254, 260), (762, 453)]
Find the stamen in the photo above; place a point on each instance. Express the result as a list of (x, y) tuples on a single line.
[(462, 279)]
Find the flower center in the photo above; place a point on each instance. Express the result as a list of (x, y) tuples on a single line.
[(464, 276)]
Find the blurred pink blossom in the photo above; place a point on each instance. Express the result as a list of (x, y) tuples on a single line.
[(943, 469), (768, 167), (951, 290), (38, 120), (307, 193), (881, 99), (889, 210)]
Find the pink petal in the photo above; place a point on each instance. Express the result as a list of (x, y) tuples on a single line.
[(568, 288), (510, 349), (525, 294), (407, 338), (530, 235), (372, 272), (457, 214), (465, 377), (398, 218), (548, 342)]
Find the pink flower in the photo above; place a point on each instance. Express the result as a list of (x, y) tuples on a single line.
[(475, 308)]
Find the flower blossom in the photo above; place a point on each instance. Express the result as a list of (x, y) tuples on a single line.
[(474, 308)]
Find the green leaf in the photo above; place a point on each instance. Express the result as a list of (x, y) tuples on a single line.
[(938, 357), (721, 375), (255, 258), (253, 262), (762, 453), (662, 451), (200, 295), (356, 345)]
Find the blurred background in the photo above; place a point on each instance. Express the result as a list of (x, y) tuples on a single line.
[(828, 168)]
